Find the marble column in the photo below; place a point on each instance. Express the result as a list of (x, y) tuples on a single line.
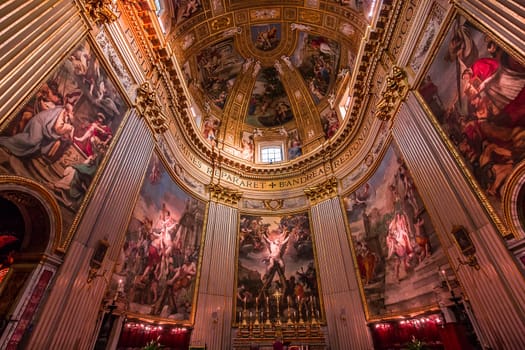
[(451, 200), (213, 317), (343, 303)]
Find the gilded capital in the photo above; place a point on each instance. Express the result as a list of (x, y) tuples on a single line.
[(326, 190), (393, 95), (224, 195), (148, 106), (101, 11)]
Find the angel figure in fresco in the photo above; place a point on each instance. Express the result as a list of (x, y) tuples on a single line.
[(274, 260), (192, 6)]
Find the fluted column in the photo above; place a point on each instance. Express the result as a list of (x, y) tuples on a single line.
[(215, 299), (70, 313), (343, 303), (451, 201), (55, 26)]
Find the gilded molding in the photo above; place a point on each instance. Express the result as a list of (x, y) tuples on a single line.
[(223, 195), (273, 204), (394, 94), (149, 107), (101, 11), (28, 199), (326, 190)]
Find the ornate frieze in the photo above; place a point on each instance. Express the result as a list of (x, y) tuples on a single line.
[(395, 92), (101, 11), (326, 190), (273, 204), (114, 59), (224, 195), (148, 106)]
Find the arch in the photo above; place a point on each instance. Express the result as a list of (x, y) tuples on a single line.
[(514, 201), (30, 231), (40, 212)]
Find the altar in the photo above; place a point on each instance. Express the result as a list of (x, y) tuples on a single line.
[(298, 329)]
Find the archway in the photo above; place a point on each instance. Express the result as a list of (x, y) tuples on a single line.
[(28, 230)]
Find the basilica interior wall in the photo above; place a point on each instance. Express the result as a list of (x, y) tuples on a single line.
[(55, 47)]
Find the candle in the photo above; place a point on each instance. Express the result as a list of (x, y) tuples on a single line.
[(288, 300), (444, 278), (267, 301), (256, 301)]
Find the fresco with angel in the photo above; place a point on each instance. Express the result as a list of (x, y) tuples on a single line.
[(476, 91), (276, 270)]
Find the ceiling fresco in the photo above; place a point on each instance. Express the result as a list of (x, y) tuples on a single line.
[(317, 58), (269, 104), (274, 66), (217, 69), (266, 37)]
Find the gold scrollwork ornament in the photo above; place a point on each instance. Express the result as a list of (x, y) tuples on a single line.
[(395, 92), (101, 11), (148, 106)]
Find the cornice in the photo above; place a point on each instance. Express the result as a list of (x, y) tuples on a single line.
[(395, 92), (223, 195), (148, 106), (319, 193)]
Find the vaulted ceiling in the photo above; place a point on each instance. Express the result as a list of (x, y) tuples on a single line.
[(268, 72)]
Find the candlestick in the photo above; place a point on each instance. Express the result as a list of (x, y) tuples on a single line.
[(312, 307), (289, 313), (257, 311), (277, 295), (244, 313), (444, 278), (301, 321), (267, 322)]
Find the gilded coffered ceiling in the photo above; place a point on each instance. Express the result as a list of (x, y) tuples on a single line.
[(266, 72)]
